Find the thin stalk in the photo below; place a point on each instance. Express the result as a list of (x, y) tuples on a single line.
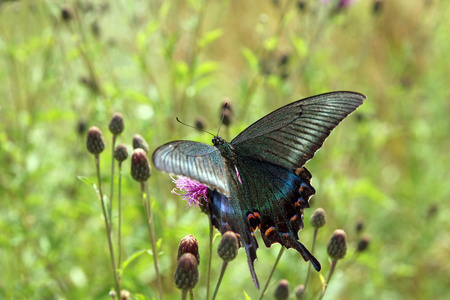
[(184, 294), (312, 252), (208, 280), (112, 178), (222, 272), (263, 292), (119, 233), (191, 294), (151, 230), (107, 224), (333, 266)]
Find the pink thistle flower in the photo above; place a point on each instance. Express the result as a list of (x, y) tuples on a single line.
[(190, 190)]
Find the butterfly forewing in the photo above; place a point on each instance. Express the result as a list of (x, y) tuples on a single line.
[(291, 135), (198, 161)]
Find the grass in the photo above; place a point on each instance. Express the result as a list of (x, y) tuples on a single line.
[(387, 165)]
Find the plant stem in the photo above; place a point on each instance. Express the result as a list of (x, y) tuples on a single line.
[(208, 280), (112, 178), (151, 229), (184, 294), (312, 252), (333, 266), (191, 294), (107, 224), (271, 273), (119, 233), (222, 272)]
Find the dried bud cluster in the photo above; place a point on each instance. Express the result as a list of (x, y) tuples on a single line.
[(363, 244), (300, 292), (121, 152), (318, 218), (139, 142), (94, 141), (189, 244), (282, 290), (140, 167), (228, 247), (186, 274), (337, 247), (116, 124)]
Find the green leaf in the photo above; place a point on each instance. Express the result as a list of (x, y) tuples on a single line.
[(131, 258), (86, 180), (300, 46), (140, 297), (271, 43), (92, 184), (251, 59), (247, 297), (206, 67), (209, 37)]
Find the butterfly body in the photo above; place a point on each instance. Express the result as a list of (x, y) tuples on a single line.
[(258, 180)]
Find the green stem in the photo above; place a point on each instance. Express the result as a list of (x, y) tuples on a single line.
[(191, 294), (333, 266), (184, 294), (263, 292), (119, 233), (107, 224), (312, 252), (112, 178), (222, 272), (151, 230), (208, 280)]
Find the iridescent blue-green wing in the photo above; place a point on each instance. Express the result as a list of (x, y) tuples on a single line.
[(291, 135), (198, 161)]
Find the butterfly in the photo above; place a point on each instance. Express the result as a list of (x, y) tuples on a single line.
[(258, 180)]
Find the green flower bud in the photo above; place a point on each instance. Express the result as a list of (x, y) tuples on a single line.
[(186, 274), (318, 218), (228, 247), (337, 247), (140, 167), (94, 141)]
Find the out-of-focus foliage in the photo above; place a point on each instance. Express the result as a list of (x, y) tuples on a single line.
[(65, 67)]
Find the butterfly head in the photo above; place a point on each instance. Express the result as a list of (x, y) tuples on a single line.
[(217, 140)]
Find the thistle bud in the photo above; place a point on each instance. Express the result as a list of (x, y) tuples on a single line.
[(363, 243), (318, 218), (94, 141), (282, 290), (121, 152), (300, 292), (359, 226), (377, 6), (81, 127), (226, 112), (337, 247), (189, 244), (228, 247), (116, 125), (199, 124), (125, 295), (139, 142), (301, 5), (66, 14), (140, 168), (186, 274)]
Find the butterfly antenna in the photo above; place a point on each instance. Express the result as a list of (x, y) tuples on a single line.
[(194, 127), (223, 117)]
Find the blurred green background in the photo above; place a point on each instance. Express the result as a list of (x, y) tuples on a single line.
[(69, 65)]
